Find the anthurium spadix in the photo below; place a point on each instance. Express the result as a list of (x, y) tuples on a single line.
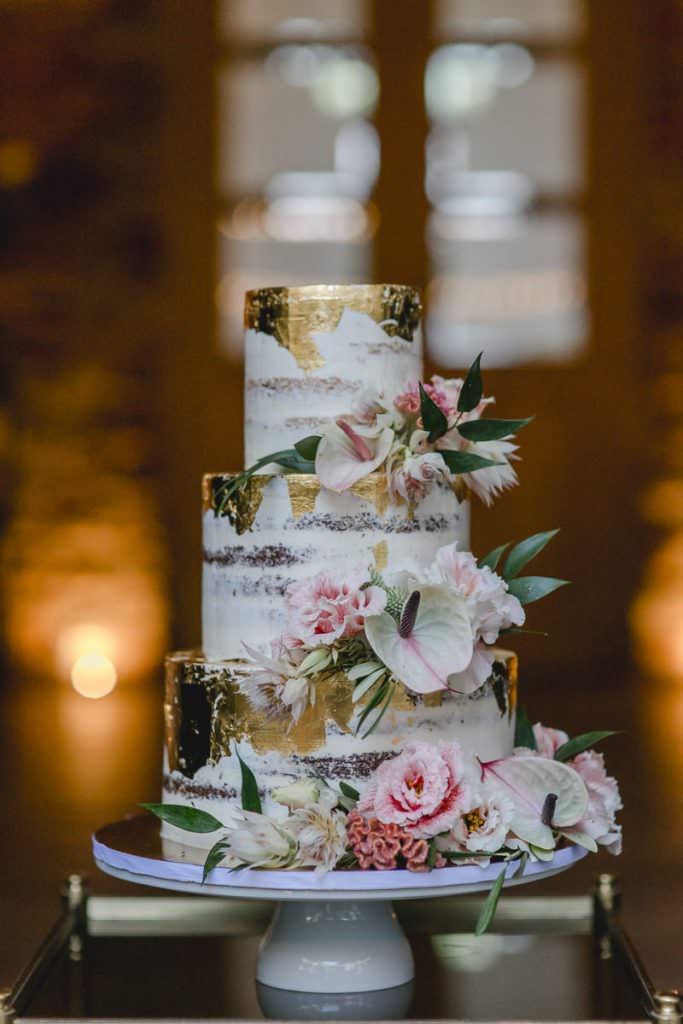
[(348, 452), (546, 795), (431, 640)]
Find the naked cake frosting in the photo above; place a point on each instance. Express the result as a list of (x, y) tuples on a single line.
[(354, 704)]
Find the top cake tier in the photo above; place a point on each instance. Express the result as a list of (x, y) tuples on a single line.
[(310, 349)]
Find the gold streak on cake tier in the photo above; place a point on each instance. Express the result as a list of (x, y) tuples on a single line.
[(242, 505), (373, 489), (380, 554), (293, 315), (304, 489)]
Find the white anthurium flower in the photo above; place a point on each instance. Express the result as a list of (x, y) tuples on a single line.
[(301, 793), (546, 795), (431, 640), (260, 842), (348, 452), (476, 673)]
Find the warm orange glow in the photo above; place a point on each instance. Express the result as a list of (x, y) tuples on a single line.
[(93, 675), (84, 638), (657, 613)]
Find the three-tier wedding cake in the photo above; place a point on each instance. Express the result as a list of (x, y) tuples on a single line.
[(353, 705)]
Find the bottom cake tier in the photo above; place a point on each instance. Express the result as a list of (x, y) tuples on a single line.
[(209, 721)]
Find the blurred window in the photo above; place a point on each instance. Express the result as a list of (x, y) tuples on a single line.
[(298, 154), (505, 178)]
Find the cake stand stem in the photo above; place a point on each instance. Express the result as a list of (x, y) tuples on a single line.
[(337, 946)]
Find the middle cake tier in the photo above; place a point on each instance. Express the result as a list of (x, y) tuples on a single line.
[(278, 529)]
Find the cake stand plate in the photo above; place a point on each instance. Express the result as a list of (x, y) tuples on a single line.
[(330, 933)]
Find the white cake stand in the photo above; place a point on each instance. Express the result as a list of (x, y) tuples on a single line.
[(332, 933)]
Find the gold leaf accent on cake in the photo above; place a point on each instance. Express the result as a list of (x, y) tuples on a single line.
[(304, 489), (512, 666), (373, 488), (242, 506), (380, 554), (459, 488), (293, 315)]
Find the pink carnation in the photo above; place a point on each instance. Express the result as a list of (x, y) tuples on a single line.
[(604, 800), (548, 740), (408, 402), (490, 605), (323, 609), (423, 789)]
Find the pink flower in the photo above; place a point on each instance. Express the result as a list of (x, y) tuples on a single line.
[(490, 606), (322, 609), (408, 402), (548, 740), (423, 790), (379, 845), (604, 800)]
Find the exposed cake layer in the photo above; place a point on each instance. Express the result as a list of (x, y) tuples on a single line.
[(310, 350), (282, 528), (209, 717)]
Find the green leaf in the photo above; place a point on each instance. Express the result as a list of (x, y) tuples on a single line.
[(583, 742), (490, 429), (493, 557), (465, 462), (188, 818), (489, 909), (470, 395), (251, 801), (532, 588), (523, 552), (214, 857), (519, 870), (431, 855), (524, 732), (294, 462), (389, 688), (307, 447), (349, 791), (433, 418)]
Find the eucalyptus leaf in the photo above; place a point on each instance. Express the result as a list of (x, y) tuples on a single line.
[(524, 732), (583, 742), (188, 818), (493, 557), (307, 447), (465, 462), (251, 801), (470, 395), (433, 419), (522, 553), (532, 588), (490, 429), (489, 909), (214, 857)]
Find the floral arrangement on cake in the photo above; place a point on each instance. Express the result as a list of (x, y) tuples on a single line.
[(429, 432), (425, 632), (426, 808)]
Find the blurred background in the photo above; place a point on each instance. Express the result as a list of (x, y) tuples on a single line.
[(519, 161)]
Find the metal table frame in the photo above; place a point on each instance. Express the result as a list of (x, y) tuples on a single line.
[(84, 915)]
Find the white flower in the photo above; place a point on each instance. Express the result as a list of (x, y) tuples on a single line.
[(320, 832), (260, 842), (348, 451), (484, 826), (410, 477), (431, 640), (300, 793), (279, 691), (488, 482), (528, 782), (476, 673)]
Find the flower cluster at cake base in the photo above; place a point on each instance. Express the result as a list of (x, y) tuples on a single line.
[(426, 632), (428, 807)]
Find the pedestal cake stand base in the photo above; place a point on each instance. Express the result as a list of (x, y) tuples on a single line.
[(330, 933)]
